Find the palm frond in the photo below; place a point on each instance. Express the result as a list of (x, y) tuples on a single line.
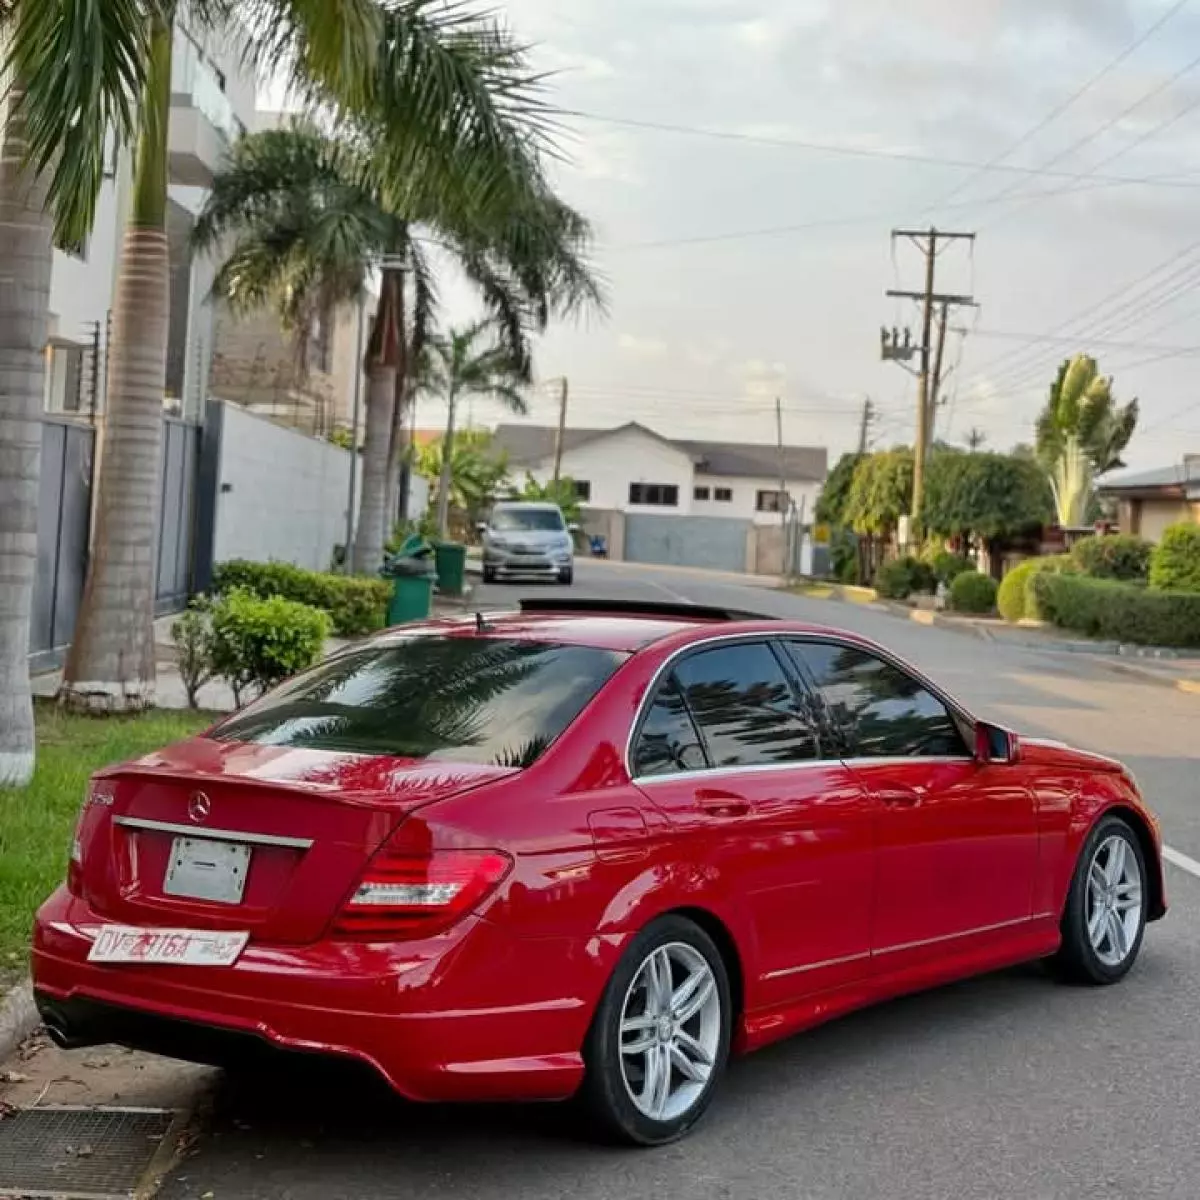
[(78, 68)]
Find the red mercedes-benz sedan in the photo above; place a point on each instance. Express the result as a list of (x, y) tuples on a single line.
[(582, 849)]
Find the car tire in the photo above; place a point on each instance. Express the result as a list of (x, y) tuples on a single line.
[(1105, 915), (624, 1088), (567, 577)]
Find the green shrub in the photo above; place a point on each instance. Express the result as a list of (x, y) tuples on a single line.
[(899, 578), (259, 643), (972, 592), (1015, 599), (193, 636), (947, 567), (1115, 556), (356, 604), (1051, 564), (1125, 612), (1175, 561)]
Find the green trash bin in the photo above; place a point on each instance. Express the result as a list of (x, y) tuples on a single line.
[(412, 577), (451, 560)]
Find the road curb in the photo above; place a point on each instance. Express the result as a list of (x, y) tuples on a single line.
[(18, 1018)]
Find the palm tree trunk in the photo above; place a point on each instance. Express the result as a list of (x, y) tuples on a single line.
[(398, 444), (26, 256), (447, 477), (372, 509), (111, 663), (384, 357)]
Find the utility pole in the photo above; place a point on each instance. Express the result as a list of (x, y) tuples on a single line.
[(927, 242), (560, 432), (782, 457), (935, 386), (864, 429)]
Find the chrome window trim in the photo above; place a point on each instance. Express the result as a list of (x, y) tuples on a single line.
[(800, 765), (767, 638), (215, 835)]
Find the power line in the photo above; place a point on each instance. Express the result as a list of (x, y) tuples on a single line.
[(899, 156), (1064, 105)]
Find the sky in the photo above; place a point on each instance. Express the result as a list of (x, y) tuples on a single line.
[(747, 248)]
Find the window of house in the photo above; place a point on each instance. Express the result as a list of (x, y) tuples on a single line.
[(745, 707), (583, 490), (664, 495), (723, 495), (877, 710), (770, 502), (700, 493)]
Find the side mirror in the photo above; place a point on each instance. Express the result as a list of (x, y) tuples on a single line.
[(993, 744)]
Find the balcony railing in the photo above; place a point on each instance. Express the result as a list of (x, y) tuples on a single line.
[(195, 78)]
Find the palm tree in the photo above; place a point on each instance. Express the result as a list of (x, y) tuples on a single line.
[(1082, 407), (89, 71), (312, 214), (469, 362), (25, 250)]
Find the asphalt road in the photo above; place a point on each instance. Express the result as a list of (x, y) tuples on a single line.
[(1005, 1086)]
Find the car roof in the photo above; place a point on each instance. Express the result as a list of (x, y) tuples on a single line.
[(623, 630), (536, 505)]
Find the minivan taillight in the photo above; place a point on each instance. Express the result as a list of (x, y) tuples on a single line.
[(410, 892)]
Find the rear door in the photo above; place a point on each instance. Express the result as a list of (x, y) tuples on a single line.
[(956, 840), (729, 750)]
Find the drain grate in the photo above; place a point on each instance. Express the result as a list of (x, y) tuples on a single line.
[(79, 1153)]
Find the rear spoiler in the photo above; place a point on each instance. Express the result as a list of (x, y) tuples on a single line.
[(641, 608)]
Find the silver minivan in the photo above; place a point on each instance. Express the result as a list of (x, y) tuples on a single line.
[(524, 537)]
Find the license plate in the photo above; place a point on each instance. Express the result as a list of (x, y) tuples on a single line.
[(205, 870), (181, 947)]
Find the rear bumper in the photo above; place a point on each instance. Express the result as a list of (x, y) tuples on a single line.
[(498, 1030)]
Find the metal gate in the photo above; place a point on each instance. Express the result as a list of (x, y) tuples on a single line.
[(176, 515), (713, 543), (64, 527)]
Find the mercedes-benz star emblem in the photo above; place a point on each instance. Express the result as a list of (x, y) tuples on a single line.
[(199, 806)]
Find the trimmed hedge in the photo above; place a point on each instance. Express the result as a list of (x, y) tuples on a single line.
[(356, 604), (972, 592), (259, 643), (1114, 556), (1125, 612), (1015, 599), (1175, 563), (898, 579)]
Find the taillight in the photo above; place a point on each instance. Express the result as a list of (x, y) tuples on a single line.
[(411, 890), (97, 794)]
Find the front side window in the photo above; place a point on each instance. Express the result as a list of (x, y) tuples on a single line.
[(668, 741), (457, 699), (875, 709), (770, 502), (745, 707)]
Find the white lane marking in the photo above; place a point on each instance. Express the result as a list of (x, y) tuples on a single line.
[(666, 591), (1182, 861)]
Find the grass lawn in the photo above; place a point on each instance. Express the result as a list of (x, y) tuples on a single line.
[(36, 824)]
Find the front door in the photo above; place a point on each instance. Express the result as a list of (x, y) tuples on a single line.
[(956, 840), (730, 752)]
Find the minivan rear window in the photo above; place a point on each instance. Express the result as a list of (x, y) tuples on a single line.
[(461, 699)]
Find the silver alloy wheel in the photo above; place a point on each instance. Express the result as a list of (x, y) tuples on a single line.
[(1114, 900), (670, 1031)]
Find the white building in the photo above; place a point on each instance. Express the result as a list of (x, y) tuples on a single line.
[(633, 469), (212, 101)]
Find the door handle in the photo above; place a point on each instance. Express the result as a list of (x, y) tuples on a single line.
[(718, 803), (899, 797)]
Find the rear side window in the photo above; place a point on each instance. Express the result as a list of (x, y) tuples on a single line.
[(745, 707), (668, 741), (477, 700), (876, 710)]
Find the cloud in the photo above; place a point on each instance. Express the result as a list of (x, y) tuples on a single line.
[(642, 347)]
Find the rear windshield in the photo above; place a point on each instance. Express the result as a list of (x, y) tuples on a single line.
[(513, 520), (461, 699)]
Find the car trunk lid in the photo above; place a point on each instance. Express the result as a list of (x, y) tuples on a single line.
[(266, 839)]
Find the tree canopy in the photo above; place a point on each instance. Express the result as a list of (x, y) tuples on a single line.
[(835, 495), (880, 492), (989, 495)]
